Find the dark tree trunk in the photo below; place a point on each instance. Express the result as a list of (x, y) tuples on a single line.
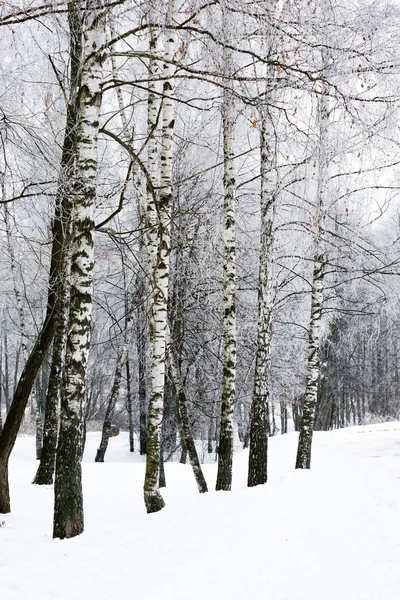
[(16, 413), (121, 362), (129, 406), (169, 419), (184, 452), (62, 248), (162, 483), (6, 372), (142, 373), (45, 472), (186, 433), (284, 417), (1, 387)]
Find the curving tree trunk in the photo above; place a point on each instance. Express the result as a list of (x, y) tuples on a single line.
[(22, 325), (64, 206), (114, 395), (68, 500), (185, 431)]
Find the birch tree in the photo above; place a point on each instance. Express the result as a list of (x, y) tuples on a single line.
[(259, 427), (68, 501), (121, 362), (64, 206), (159, 293), (303, 459), (225, 446)]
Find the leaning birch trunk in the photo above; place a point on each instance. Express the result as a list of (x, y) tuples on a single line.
[(45, 472), (68, 501), (159, 293), (22, 325), (26, 381), (121, 362), (225, 447), (259, 427), (303, 459), (182, 414)]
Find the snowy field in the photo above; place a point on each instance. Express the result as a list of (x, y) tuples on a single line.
[(332, 533)]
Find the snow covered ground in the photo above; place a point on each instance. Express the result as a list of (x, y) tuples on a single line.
[(332, 533)]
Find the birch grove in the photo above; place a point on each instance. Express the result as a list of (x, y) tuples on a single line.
[(199, 233)]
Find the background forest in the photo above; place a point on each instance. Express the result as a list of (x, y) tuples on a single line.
[(199, 230)]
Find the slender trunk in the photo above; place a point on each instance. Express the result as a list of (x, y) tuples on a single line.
[(225, 446), (129, 405), (162, 483), (159, 296), (1, 386), (121, 361), (68, 501), (63, 215), (142, 384), (6, 372), (303, 460), (45, 472), (187, 436), (35, 410), (182, 413), (259, 427), (16, 412), (284, 417)]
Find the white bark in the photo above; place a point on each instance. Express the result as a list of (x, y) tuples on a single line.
[(160, 277), (259, 428), (225, 452), (68, 511), (303, 460)]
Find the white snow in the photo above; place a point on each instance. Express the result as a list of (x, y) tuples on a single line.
[(332, 533)]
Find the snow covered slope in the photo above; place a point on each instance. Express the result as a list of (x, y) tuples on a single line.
[(332, 533)]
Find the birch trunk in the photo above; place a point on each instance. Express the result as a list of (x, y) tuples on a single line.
[(225, 446), (45, 472), (259, 426), (159, 294), (25, 383), (121, 362), (129, 405), (64, 206), (143, 249), (185, 431), (68, 502), (303, 459)]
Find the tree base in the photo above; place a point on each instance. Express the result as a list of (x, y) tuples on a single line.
[(68, 500), (44, 474), (68, 528), (5, 506), (153, 501), (99, 456), (303, 458)]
